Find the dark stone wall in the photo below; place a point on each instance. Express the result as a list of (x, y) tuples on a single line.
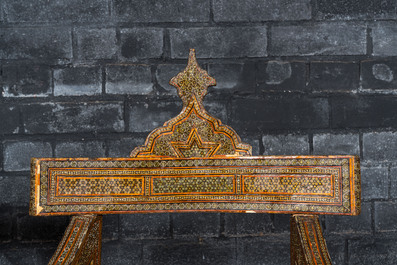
[(90, 78)]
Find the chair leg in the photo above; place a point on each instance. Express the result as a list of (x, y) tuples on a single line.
[(308, 245), (81, 243)]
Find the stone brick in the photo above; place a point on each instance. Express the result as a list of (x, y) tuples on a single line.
[(337, 249), (195, 224), (282, 76), (24, 253), (14, 190), (334, 76), (44, 252), (350, 224), (172, 253), (17, 155), (363, 111), (336, 144), (318, 39), (164, 73), (207, 251), (218, 251), (145, 226), (285, 144), (393, 177), (374, 183), (26, 80), (110, 227), (234, 77), (56, 11), (354, 9), (77, 81), (279, 112), (73, 117), (385, 216), (217, 109), (162, 11), (120, 253), (155, 115), (256, 10), (41, 228), (35, 43), (281, 223), (369, 251), (96, 43), (80, 149), (254, 144), (263, 250), (141, 43), (9, 116), (5, 224), (379, 74), (384, 38), (20, 254), (380, 146), (1, 14), (235, 42), (131, 79), (247, 224), (123, 147)]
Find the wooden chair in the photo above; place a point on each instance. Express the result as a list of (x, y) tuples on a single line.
[(194, 163)]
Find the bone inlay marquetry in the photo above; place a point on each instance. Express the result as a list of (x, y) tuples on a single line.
[(263, 184), (194, 163)]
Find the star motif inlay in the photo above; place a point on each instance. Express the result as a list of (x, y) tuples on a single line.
[(194, 146)]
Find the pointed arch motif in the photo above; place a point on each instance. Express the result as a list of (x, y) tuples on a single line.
[(193, 133)]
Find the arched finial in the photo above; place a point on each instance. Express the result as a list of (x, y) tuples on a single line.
[(193, 133), (193, 81)]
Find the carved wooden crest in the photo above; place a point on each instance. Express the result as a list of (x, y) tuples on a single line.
[(193, 133)]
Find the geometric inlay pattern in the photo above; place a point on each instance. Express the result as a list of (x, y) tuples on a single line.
[(99, 186), (193, 163), (194, 147), (304, 184), (307, 242), (192, 185), (289, 184), (81, 243), (193, 133)]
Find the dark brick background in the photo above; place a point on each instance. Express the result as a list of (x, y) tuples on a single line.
[(90, 78)]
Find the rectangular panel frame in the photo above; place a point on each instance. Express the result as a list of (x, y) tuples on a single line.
[(278, 185)]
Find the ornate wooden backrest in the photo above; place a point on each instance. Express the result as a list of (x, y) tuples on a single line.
[(194, 163)]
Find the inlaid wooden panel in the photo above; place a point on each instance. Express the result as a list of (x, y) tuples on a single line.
[(327, 185)]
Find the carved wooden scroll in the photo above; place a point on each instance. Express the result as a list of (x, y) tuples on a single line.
[(194, 163)]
